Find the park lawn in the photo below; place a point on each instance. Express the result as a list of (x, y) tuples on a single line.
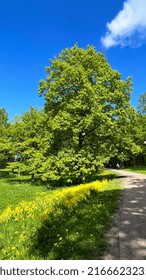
[(137, 169), (14, 189), (67, 223)]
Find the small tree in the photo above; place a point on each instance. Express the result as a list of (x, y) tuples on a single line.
[(27, 141)]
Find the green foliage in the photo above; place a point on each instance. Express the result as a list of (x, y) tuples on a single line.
[(4, 141), (27, 141), (88, 113), (142, 104), (141, 128), (141, 109), (3, 118)]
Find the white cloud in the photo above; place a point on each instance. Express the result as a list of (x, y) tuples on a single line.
[(128, 28)]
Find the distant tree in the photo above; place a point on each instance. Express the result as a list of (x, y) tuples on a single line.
[(4, 143), (141, 109), (3, 118), (89, 116)]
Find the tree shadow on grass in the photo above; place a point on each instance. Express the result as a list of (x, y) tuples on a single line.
[(89, 178), (26, 180), (101, 177), (23, 179), (6, 175), (76, 233), (14, 178)]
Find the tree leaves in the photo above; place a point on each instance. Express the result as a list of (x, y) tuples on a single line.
[(88, 111)]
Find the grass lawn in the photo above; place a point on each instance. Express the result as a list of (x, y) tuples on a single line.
[(67, 223), (14, 189), (80, 233), (137, 169)]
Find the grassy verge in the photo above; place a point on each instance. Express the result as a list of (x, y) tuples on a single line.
[(65, 224), (137, 169)]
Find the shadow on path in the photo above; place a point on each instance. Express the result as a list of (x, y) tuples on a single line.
[(127, 238)]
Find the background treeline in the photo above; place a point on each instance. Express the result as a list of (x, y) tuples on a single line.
[(87, 122)]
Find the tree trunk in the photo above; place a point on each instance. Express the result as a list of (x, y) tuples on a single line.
[(79, 178), (32, 177)]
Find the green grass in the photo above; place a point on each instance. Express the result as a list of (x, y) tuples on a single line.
[(73, 233), (78, 234), (137, 169), (14, 189)]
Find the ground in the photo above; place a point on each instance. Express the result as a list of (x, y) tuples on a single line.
[(127, 238)]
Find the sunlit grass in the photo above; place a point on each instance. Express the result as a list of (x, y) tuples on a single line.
[(68, 223), (14, 188), (79, 233)]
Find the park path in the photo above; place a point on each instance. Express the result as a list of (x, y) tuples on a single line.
[(127, 237)]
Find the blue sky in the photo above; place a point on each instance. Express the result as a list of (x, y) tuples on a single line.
[(33, 31)]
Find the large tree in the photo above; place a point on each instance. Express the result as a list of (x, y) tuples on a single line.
[(88, 114)]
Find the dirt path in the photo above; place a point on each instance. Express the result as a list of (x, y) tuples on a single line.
[(127, 238)]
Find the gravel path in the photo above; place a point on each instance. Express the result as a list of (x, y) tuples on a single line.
[(127, 238)]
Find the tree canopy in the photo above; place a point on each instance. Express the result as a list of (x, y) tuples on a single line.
[(89, 116)]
